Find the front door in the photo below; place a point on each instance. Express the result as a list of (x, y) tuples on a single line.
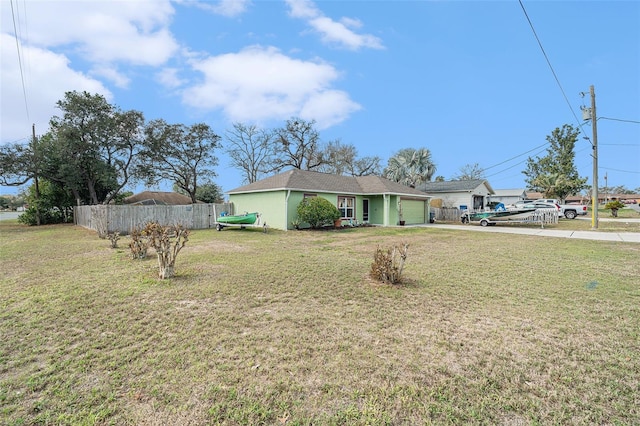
[(365, 210)]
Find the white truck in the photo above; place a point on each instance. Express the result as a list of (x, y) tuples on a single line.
[(569, 211)]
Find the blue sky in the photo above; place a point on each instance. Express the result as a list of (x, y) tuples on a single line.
[(465, 79)]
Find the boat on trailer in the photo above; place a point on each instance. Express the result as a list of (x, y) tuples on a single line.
[(493, 216), (504, 215), (241, 220)]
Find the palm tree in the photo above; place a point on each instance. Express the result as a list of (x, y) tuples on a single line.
[(410, 167)]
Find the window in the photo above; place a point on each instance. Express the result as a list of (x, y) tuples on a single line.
[(346, 205)]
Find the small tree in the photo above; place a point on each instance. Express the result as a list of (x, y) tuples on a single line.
[(614, 206), (317, 211), (167, 242)]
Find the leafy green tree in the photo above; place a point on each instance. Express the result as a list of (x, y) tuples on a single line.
[(410, 167), (4, 202), (317, 211), (93, 147), (181, 154), (555, 175), (52, 204), (208, 192)]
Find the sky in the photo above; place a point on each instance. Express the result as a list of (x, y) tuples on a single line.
[(473, 81)]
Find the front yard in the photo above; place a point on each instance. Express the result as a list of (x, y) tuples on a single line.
[(287, 328)]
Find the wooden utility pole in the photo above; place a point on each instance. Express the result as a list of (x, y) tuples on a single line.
[(594, 121), (35, 173)]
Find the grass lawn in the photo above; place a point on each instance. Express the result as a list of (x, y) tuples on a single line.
[(287, 328)]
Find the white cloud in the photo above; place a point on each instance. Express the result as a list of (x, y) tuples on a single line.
[(260, 84), (102, 31), (228, 8), (169, 78), (47, 76), (333, 32)]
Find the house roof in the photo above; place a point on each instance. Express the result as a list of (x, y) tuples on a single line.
[(304, 180), (520, 192), (455, 186), (158, 198)]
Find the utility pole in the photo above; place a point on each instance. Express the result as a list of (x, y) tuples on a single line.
[(594, 121), (36, 157)]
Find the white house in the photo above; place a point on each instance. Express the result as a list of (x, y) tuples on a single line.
[(463, 194), (508, 196)]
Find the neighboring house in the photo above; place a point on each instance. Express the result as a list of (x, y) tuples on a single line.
[(463, 194), (508, 196), (363, 199), (158, 198)]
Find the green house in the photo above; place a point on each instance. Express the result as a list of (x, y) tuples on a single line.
[(361, 199)]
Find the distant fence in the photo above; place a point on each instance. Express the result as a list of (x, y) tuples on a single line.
[(446, 214), (106, 219)]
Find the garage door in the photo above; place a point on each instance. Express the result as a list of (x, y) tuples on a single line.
[(413, 211)]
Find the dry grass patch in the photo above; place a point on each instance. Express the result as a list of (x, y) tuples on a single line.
[(287, 328)]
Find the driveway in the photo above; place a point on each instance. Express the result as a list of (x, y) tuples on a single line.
[(628, 237)]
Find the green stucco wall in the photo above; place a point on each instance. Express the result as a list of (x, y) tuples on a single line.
[(278, 208), (270, 205)]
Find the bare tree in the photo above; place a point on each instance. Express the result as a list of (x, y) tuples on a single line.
[(251, 150), (470, 172), (342, 159), (298, 145)]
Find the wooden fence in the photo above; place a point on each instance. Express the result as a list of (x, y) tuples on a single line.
[(446, 214), (106, 219)]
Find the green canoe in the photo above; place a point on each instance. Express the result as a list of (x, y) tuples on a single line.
[(241, 219)]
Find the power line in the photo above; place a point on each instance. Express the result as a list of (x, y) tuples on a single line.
[(544, 53), (619, 119), (24, 89), (513, 158)]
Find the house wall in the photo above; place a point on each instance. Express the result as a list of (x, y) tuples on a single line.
[(376, 209), (456, 199), (270, 205), (459, 199), (279, 208)]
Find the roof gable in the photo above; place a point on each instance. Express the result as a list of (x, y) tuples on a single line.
[(454, 186), (158, 198)]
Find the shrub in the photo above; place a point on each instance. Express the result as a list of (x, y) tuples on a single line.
[(317, 211), (139, 244), (114, 237), (614, 206), (388, 264), (47, 217)]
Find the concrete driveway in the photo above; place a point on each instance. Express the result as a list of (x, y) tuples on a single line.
[(627, 237)]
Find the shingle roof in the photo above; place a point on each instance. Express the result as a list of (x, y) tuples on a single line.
[(158, 198), (453, 186), (303, 180)]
